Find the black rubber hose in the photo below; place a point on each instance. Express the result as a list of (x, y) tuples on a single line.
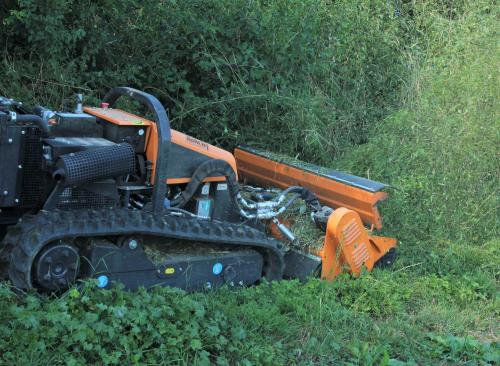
[(208, 168), (37, 120)]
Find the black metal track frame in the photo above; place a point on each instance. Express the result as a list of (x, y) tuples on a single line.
[(25, 240)]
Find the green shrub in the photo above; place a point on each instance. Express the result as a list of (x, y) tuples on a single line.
[(302, 77)]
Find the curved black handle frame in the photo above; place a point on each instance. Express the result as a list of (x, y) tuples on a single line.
[(164, 137)]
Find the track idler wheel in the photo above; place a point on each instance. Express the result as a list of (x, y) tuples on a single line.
[(56, 267)]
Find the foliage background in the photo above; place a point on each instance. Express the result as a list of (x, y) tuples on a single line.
[(307, 77), (400, 91)]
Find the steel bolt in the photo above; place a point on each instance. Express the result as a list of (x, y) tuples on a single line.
[(140, 132), (19, 166), (16, 200), (23, 132), (132, 244), (5, 193), (9, 141)]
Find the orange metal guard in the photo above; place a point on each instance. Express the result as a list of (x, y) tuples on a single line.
[(348, 244)]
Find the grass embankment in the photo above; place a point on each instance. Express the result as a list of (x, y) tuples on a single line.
[(437, 306)]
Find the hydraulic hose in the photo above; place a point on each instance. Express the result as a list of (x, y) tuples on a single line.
[(261, 210), (208, 168)]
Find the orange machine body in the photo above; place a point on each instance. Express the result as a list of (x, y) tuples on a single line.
[(186, 151), (348, 244)]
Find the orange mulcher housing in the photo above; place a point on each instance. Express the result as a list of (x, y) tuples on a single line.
[(355, 199)]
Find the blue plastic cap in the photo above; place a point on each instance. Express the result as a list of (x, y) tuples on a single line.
[(217, 269), (102, 281)]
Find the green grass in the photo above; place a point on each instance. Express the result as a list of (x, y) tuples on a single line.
[(376, 319), (441, 153), (439, 304)]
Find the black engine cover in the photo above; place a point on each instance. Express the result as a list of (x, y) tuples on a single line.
[(21, 177)]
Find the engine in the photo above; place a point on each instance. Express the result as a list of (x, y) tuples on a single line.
[(100, 158)]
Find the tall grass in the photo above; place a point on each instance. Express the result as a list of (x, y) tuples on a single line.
[(441, 152)]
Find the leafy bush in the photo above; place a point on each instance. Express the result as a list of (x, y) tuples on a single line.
[(303, 77)]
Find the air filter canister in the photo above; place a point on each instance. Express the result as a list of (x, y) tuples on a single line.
[(93, 165)]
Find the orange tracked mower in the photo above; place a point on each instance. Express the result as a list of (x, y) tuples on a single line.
[(88, 193)]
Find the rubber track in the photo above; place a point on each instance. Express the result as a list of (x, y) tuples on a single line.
[(25, 240)]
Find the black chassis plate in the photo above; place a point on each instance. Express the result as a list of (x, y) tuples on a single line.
[(193, 271)]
